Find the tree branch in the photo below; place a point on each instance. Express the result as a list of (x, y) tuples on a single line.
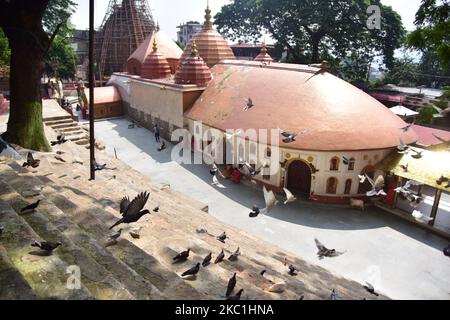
[(55, 33)]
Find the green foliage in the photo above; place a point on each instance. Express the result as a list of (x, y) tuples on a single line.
[(61, 57), (5, 52), (182, 46), (433, 29), (312, 30), (59, 12), (425, 115)]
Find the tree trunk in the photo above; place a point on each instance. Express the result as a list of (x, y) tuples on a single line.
[(315, 51), (29, 44)]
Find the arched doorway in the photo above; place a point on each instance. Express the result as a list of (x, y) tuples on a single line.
[(299, 178)]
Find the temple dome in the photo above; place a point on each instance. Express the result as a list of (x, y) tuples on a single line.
[(211, 46), (337, 115), (193, 70), (155, 65), (263, 56), (166, 46)]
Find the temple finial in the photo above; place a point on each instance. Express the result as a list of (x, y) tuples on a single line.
[(155, 45), (208, 24), (263, 46), (194, 51), (157, 26)]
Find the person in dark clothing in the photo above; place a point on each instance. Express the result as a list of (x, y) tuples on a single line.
[(157, 132)]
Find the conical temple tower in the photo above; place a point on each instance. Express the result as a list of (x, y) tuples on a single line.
[(125, 26)]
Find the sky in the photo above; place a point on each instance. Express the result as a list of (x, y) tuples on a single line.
[(171, 13)]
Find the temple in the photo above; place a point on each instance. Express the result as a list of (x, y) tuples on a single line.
[(207, 84)]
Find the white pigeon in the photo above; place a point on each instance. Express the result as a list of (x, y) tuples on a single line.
[(420, 217), (269, 198), (217, 183), (230, 136), (7, 151), (362, 178), (278, 287), (377, 186), (289, 196)]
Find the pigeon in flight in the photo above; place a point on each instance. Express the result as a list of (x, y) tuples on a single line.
[(402, 147), (248, 104), (333, 294), (7, 151), (134, 210), (138, 203), (325, 66), (215, 170), (447, 142), (46, 245), (263, 272), (231, 285), (237, 296), (230, 136), (162, 146), (420, 217), (270, 200), (362, 178), (220, 257), (136, 232), (370, 289), (156, 209), (31, 162), (255, 212), (234, 256), (324, 251), (290, 137), (60, 139), (442, 179), (192, 271), (377, 187), (278, 287), (347, 161), (115, 235), (207, 260), (222, 237), (31, 207), (182, 256), (417, 154), (289, 196), (404, 167), (406, 128), (217, 183)]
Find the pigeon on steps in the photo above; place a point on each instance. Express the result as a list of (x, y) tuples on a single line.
[(46, 245)]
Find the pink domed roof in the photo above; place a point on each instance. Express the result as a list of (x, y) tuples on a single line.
[(211, 46), (155, 65), (193, 70), (337, 115)]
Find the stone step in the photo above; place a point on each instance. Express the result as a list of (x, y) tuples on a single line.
[(71, 129), (64, 126), (57, 118), (134, 283), (93, 276), (56, 122), (46, 275), (13, 286)]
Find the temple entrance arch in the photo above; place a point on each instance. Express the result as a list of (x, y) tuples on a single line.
[(299, 178)]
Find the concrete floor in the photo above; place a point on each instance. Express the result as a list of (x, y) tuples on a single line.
[(401, 260)]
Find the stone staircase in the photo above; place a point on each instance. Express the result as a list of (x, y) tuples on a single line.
[(78, 212), (71, 129)]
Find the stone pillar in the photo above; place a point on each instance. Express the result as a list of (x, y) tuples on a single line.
[(437, 199)]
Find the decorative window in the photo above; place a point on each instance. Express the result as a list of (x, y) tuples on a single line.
[(332, 185), (253, 148), (348, 186), (334, 164), (268, 152), (366, 157), (241, 151), (351, 165), (377, 156)]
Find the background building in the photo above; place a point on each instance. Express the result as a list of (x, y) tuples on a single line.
[(187, 31)]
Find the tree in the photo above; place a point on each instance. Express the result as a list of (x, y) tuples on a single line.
[(30, 27), (61, 57), (5, 52), (433, 29), (316, 28)]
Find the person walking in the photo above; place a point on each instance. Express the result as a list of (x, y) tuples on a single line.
[(157, 132)]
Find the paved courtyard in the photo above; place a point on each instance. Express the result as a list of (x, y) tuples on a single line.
[(400, 259)]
